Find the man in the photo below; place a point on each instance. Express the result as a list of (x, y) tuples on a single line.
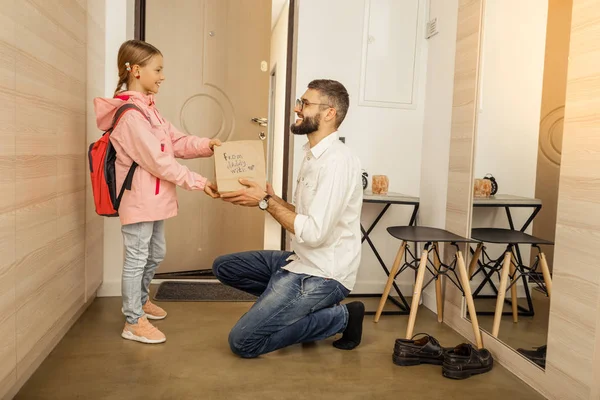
[(300, 292)]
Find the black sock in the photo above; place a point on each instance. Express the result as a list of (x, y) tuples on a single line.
[(353, 332)]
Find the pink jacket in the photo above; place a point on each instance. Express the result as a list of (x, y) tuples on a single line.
[(154, 146)]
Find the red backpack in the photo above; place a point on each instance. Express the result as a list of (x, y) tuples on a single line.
[(102, 156)]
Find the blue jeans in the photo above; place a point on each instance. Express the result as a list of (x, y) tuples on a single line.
[(292, 308), (145, 248)]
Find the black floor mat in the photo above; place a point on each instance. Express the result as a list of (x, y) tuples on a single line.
[(199, 291)]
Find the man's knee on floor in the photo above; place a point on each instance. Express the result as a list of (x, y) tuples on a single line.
[(219, 266), (241, 345)]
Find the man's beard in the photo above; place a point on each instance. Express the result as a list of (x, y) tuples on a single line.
[(308, 125)]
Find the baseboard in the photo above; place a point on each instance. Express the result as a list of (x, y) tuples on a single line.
[(110, 289), (377, 287), (113, 289), (62, 327), (429, 300), (8, 384)]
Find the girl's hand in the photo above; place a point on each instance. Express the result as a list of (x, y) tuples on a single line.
[(213, 143), (211, 190)]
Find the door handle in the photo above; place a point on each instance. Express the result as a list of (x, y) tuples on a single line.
[(260, 121)]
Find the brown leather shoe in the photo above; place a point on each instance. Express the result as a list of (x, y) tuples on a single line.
[(465, 360)]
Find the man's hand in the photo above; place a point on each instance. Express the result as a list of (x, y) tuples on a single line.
[(247, 197), (213, 143), (253, 193), (211, 190)]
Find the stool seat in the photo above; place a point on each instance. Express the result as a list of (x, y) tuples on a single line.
[(422, 234), (506, 236)]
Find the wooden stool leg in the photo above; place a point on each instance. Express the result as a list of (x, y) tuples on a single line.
[(390, 281), (513, 294), (462, 269), (501, 293), (438, 283), (546, 273), (473, 263), (417, 293)]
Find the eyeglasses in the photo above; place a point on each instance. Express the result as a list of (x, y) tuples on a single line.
[(301, 103)]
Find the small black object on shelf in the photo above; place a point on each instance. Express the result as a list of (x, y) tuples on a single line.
[(491, 178), (365, 181)]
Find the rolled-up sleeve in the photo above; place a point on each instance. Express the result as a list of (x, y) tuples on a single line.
[(299, 223), (332, 195)]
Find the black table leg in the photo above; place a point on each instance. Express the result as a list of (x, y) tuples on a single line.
[(531, 217), (402, 304), (404, 307), (366, 234), (413, 217)]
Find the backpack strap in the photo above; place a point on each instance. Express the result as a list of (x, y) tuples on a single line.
[(122, 110), (129, 178)]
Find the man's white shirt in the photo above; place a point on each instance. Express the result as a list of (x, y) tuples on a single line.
[(328, 199)]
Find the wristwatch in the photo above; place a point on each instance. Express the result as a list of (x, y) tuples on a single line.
[(264, 203)]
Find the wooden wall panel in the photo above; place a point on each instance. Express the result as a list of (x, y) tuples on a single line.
[(8, 348), (94, 233), (462, 136), (50, 97), (464, 106), (573, 328), (45, 102)]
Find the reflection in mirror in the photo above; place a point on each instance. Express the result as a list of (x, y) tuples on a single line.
[(518, 141)]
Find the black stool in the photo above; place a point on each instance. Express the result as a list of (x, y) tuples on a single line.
[(431, 237), (511, 267)]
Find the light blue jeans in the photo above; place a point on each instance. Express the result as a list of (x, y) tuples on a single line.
[(145, 248)]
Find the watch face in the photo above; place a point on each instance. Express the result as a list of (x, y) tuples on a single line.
[(263, 204)]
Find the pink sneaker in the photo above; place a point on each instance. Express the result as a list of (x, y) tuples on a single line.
[(143, 332), (153, 311)]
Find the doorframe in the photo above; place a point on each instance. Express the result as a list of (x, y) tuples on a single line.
[(139, 27), (290, 94), (290, 90)]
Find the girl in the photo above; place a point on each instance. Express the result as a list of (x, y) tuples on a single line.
[(153, 143)]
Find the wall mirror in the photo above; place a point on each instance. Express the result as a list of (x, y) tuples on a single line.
[(518, 141)]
